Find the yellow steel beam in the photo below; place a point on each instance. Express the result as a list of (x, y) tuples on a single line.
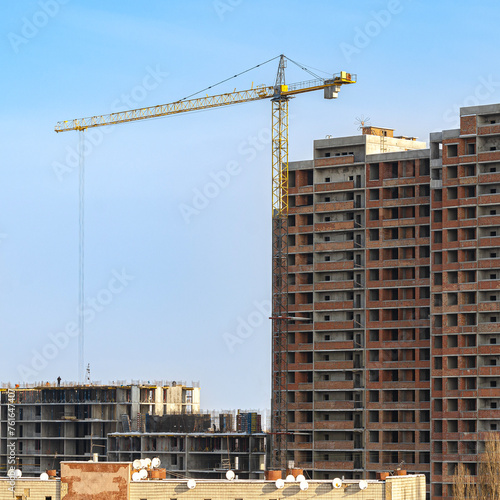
[(166, 109), (280, 157), (261, 92), (342, 78)]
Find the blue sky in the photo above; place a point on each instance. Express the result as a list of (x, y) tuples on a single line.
[(168, 292)]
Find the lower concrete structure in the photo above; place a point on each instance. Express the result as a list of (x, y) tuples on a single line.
[(112, 481), (205, 455)]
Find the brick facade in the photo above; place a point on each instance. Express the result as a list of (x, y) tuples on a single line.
[(394, 258)]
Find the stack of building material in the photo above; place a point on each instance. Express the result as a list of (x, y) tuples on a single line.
[(226, 422), (249, 422)]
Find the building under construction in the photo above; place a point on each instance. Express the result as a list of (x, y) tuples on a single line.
[(206, 454), (57, 422), (394, 262)]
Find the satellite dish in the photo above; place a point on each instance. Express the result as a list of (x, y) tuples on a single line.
[(44, 476), (17, 474), (300, 478), (136, 464), (362, 121), (147, 461), (337, 482), (304, 485), (136, 476), (143, 474), (230, 475), (156, 462), (191, 484), (363, 484), (280, 484), (290, 479)]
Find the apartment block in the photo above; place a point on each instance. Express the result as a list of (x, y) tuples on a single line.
[(394, 260), (357, 222), (465, 181), (53, 423)]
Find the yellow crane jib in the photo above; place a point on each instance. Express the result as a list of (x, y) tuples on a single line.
[(260, 92)]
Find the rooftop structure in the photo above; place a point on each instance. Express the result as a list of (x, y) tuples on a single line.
[(112, 480)]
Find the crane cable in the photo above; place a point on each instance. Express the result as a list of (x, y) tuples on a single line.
[(306, 68), (81, 255), (227, 79), (302, 66)]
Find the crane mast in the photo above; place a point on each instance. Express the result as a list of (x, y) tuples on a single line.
[(279, 425), (279, 94)]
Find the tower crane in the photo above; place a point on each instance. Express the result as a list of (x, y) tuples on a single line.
[(279, 94)]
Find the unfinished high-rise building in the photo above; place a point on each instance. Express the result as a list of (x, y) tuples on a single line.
[(465, 249), (392, 258), (52, 423)]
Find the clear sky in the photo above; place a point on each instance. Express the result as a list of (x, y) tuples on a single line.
[(178, 209)]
